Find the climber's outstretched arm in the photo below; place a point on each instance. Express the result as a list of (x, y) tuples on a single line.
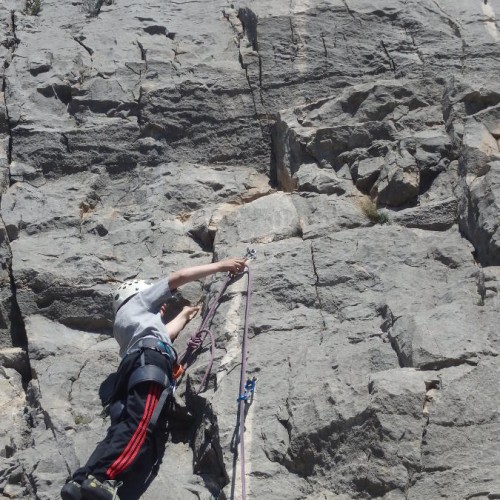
[(179, 278)]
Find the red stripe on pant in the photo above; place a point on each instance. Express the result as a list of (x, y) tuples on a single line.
[(139, 436)]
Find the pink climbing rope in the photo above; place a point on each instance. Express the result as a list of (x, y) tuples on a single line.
[(196, 342), (241, 398)]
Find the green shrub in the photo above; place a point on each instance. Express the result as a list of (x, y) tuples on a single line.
[(93, 7), (33, 7), (82, 419), (369, 209)]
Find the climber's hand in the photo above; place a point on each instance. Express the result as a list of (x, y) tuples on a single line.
[(233, 266)]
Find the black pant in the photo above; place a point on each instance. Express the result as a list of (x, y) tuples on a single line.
[(127, 439)]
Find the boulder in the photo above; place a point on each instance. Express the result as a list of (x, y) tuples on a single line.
[(399, 180)]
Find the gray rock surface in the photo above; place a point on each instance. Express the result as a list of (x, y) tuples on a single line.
[(353, 144)]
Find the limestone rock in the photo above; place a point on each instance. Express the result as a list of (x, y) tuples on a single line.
[(479, 213), (479, 147), (311, 178), (366, 173), (261, 222), (137, 139), (437, 216), (398, 181)]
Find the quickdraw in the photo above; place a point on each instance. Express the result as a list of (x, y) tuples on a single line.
[(249, 390)]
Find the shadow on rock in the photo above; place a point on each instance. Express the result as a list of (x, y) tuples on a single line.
[(106, 388)]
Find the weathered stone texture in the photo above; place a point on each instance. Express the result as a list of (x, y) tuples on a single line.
[(353, 144)]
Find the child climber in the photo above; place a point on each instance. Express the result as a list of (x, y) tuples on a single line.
[(144, 377)]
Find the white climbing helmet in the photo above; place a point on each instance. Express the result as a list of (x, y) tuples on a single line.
[(127, 290)]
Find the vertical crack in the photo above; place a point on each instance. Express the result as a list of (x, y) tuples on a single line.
[(260, 78), (34, 405), (350, 12), (90, 52), (13, 42), (295, 36), (463, 56), (18, 336), (65, 141), (432, 387), (75, 379), (245, 68), (144, 57), (294, 39), (388, 321), (17, 326), (391, 60), (87, 48), (139, 106), (7, 121), (143, 53), (387, 327), (454, 25), (322, 36), (318, 297), (244, 22), (457, 31), (418, 52), (177, 50), (249, 21), (481, 287)]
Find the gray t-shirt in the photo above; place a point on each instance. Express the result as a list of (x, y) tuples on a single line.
[(140, 317)]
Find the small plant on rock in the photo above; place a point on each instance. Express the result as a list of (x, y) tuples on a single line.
[(33, 7), (82, 419), (93, 7), (369, 209)]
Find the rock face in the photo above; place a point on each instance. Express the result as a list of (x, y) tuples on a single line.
[(353, 144)]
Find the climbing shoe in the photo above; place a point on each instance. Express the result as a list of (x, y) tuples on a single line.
[(71, 491), (93, 489)]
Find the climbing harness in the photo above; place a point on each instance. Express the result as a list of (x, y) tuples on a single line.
[(147, 373)]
